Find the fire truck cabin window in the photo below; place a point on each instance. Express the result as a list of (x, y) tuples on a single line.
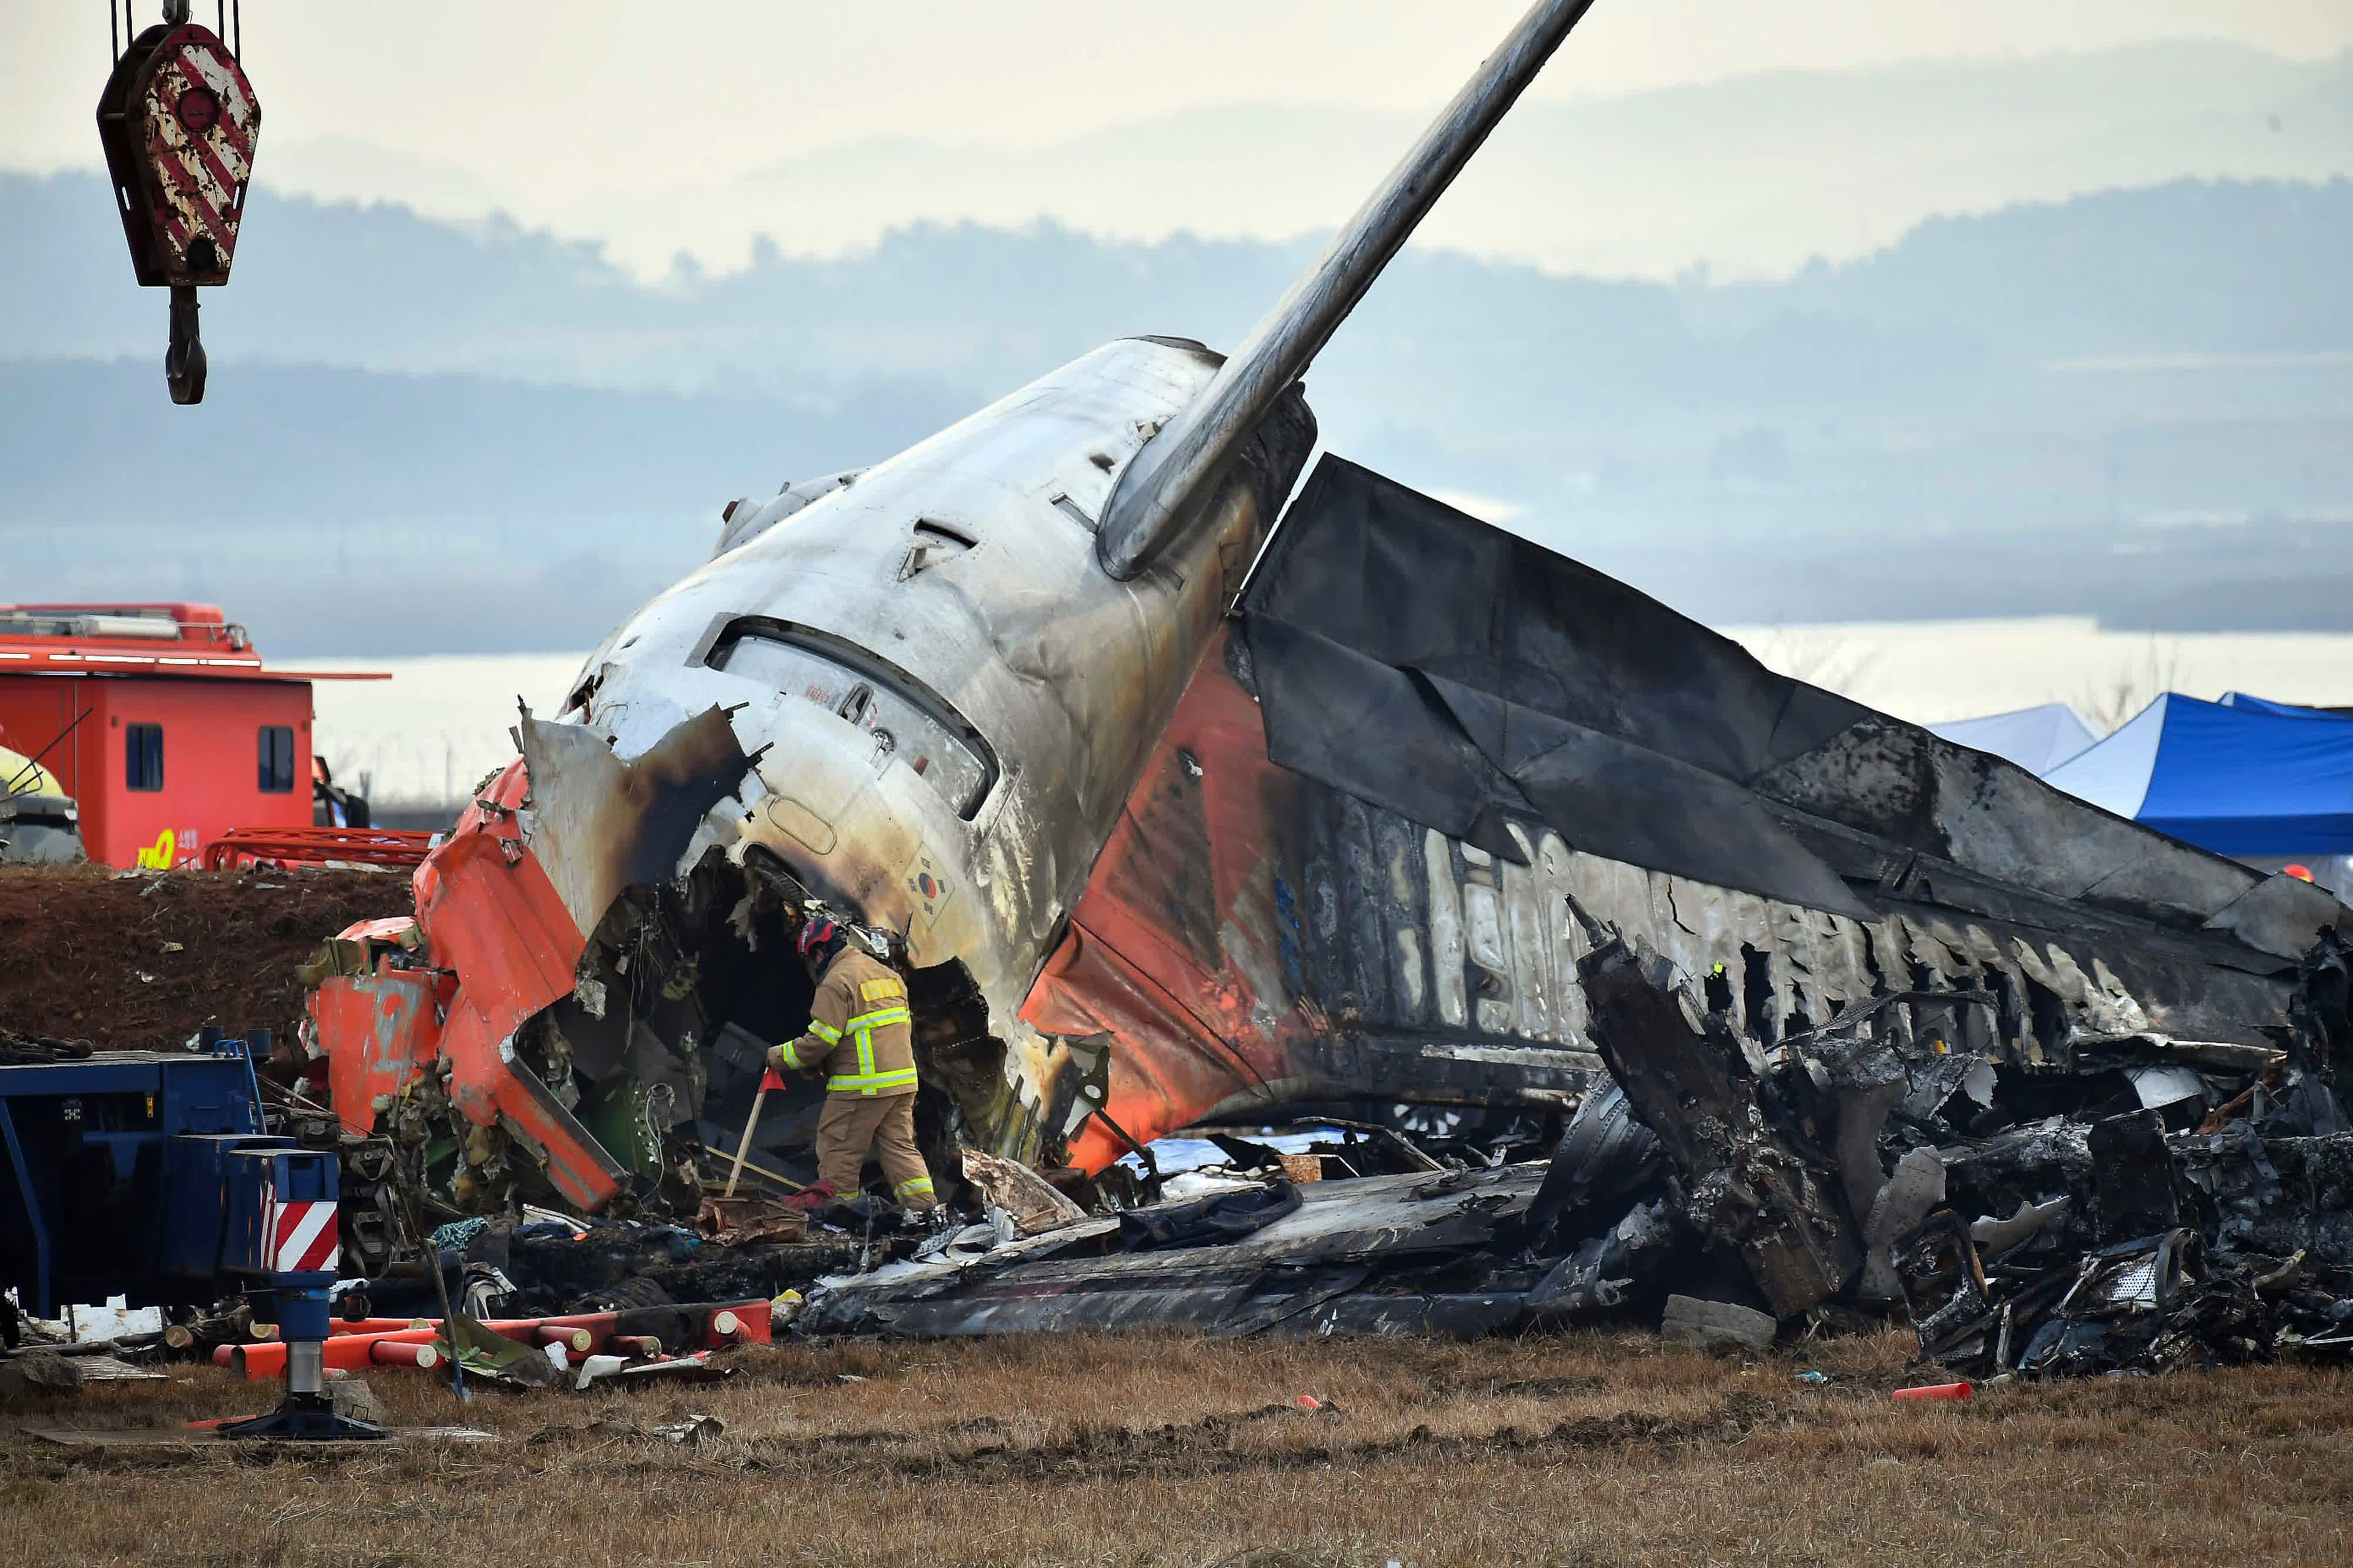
[(277, 759), (143, 756)]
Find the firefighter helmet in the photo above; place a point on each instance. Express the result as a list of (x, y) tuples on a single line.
[(819, 936)]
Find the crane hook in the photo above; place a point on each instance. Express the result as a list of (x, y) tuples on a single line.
[(184, 360)]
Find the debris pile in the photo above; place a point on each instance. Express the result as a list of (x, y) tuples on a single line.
[(2040, 1195), (39, 1049), (2135, 1202), (545, 1267), (2247, 1270)]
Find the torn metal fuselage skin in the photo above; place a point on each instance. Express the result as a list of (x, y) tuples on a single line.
[(1379, 1254), (1351, 868), (1256, 936), (908, 692)]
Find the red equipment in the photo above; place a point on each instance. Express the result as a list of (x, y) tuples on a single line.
[(161, 721), (317, 846), (739, 1323)]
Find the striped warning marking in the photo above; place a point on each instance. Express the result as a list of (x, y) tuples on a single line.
[(302, 1237), (200, 164)]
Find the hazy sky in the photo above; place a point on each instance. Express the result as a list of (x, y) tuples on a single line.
[(662, 130), (588, 94)]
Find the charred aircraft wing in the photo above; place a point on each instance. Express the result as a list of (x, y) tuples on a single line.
[(1350, 871)]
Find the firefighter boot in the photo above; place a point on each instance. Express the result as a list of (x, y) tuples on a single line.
[(809, 1200)]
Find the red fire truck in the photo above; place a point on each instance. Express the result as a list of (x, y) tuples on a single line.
[(162, 721)]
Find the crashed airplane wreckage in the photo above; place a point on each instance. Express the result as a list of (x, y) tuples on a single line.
[(1174, 814), (1877, 1021), (1908, 1024)]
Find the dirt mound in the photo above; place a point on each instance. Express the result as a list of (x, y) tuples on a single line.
[(141, 961)]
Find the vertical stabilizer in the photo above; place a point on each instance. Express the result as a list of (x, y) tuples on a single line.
[(1165, 483)]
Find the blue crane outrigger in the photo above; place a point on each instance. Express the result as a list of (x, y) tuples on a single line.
[(149, 1175)]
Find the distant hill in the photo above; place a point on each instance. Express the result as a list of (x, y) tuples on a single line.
[(2137, 402), (1752, 175), (2225, 266)]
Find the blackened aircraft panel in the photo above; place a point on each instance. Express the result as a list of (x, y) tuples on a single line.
[(1349, 870)]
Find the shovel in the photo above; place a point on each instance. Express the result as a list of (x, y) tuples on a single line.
[(768, 1081)]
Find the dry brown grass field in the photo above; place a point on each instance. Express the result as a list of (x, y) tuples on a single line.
[(1584, 1449)]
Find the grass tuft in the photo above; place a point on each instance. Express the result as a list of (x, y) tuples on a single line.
[(1595, 1448)]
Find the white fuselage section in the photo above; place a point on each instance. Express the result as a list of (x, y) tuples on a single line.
[(948, 700)]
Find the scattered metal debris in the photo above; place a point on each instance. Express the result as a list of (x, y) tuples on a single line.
[(1717, 1325), (2121, 1200), (2119, 1207)]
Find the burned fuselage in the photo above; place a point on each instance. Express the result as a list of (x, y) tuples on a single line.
[(945, 673), (1342, 866), (934, 704), (1347, 871)]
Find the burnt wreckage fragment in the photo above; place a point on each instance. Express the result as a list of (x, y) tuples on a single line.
[(1854, 976), (1757, 1181), (2130, 1210)]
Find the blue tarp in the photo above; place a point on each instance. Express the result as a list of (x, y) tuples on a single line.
[(2237, 780)]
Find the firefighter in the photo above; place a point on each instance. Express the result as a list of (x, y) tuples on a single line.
[(860, 1036)]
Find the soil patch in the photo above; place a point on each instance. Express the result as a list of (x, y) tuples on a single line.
[(143, 960)]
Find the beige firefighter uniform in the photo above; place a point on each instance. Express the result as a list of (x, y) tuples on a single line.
[(861, 1037)]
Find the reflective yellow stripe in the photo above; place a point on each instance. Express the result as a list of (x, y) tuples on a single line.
[(864, 1026), (919, 1184), (791, 1056), (870, 1082), (826, 1032), (866, 1079)]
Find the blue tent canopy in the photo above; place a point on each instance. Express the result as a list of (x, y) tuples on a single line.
[(2236, 780), (2036, 738), (2284, 709)]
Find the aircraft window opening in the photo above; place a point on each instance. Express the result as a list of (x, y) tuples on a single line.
[(904, 717), (928, 532), (586, 691), (935, 542)]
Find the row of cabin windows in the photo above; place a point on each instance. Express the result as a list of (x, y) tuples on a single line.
[(143, 758)]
